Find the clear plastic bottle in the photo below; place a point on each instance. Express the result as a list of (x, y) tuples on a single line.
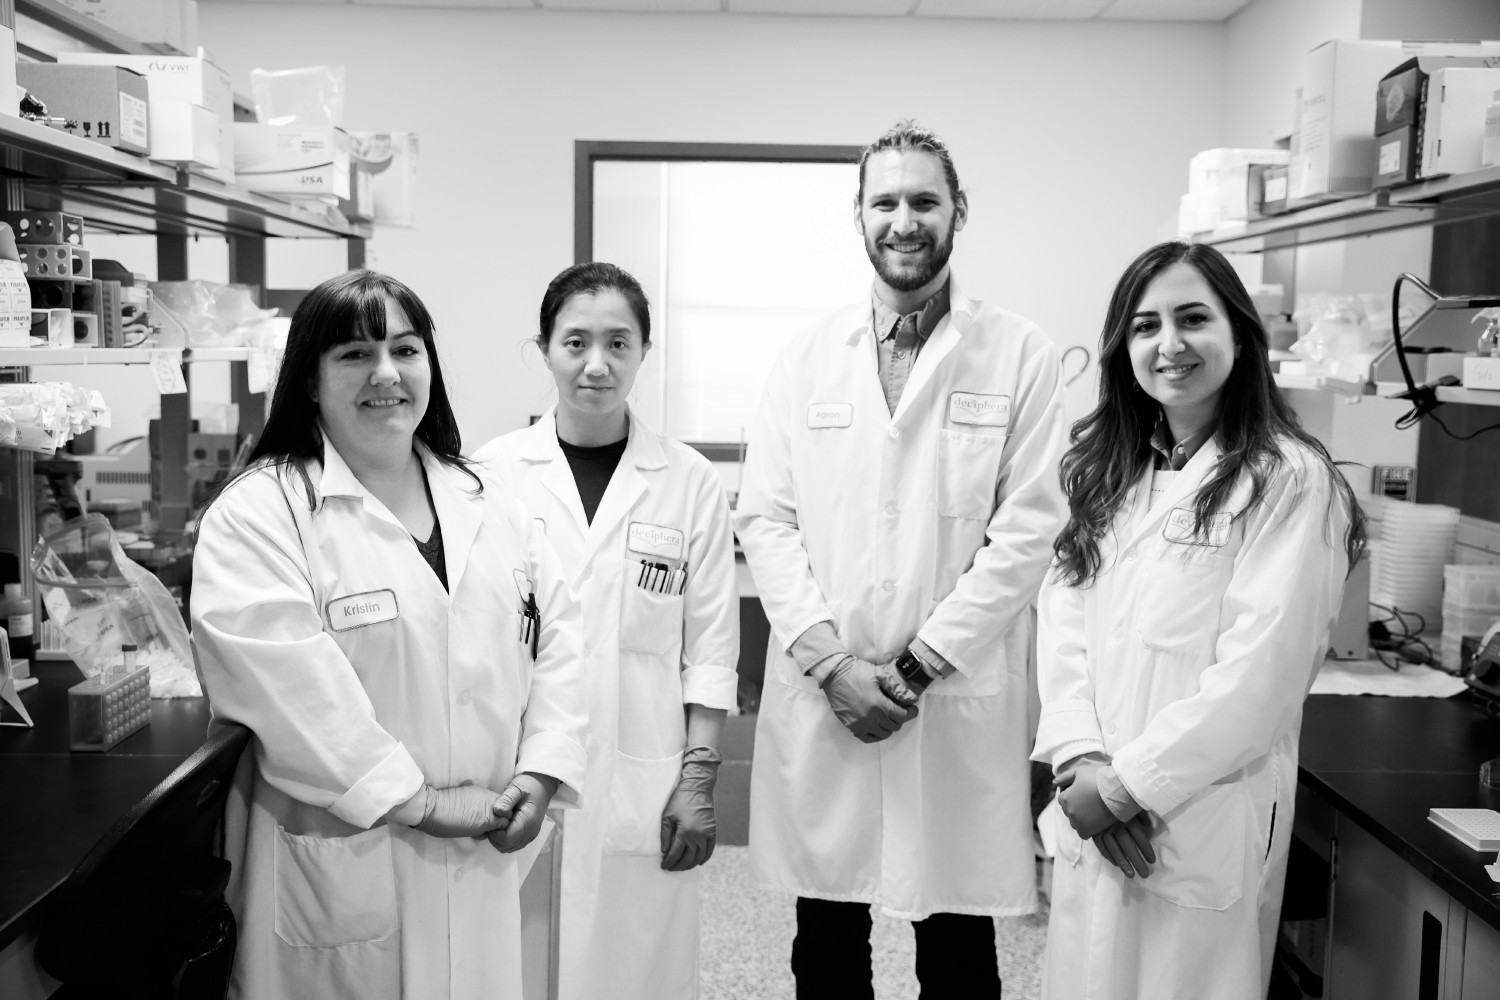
[(20, 624)]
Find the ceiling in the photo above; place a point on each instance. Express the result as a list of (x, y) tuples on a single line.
[(1002, 10)]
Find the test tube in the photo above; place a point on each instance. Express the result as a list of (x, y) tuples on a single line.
[(127, 660)]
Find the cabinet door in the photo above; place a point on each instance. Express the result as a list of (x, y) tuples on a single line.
[(1481, 961), (1391, 927)]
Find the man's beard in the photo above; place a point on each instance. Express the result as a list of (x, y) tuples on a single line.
[(909, 279)]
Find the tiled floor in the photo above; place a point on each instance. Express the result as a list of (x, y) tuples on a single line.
[(747, 931)]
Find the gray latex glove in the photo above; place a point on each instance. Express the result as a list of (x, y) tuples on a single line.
[(894, 687), (688, 827), (466, 810), (1127, 845), (857, 701), (523, 805)]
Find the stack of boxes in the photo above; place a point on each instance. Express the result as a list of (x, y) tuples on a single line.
[(191, 108), (76, 301), (1220, 189)]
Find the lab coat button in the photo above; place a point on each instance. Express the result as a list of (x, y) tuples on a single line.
[(1116, 634), (888, 585), (895, 433), (463, 697), (891, 508), (458, 874), (1130, 555)]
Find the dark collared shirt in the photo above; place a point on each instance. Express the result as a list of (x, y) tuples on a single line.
[(1173, 457), (899, 339)]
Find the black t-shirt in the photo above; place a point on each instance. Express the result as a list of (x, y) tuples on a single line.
[(592, 470)]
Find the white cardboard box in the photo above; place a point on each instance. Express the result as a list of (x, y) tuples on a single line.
[(1220, 177), (189, 79), (1481, 372), (291, 159), (1335, 147), (1453, 120), (185, 133)]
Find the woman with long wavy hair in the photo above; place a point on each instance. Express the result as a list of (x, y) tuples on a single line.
[(1187, 610)]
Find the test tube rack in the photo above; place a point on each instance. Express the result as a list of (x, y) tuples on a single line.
[(103, 711)]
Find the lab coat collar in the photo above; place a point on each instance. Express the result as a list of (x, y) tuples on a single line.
[(1182, 493), (454, 500), (643, 448), (857, 320), (939, 345)]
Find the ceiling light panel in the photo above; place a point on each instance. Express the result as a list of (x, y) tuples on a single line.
[(636, 6), (857, 8), (1014, 10), (1172, 10)]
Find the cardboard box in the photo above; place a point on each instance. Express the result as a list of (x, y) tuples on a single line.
[(1220, 177), (1490, 155), (1335, 146), (152, 22), (1398, 97), (1397, 155), (188, 79), (185, 133), (109, 103), (1274, 182), (291, 159), (1453, 120), (390, 158)]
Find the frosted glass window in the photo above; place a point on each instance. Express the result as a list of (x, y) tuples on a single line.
[(737, 258)]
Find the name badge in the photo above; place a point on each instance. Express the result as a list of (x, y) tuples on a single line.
[(979, 408), (655, 540), (821, 415), (358, 610), (1180, 528)]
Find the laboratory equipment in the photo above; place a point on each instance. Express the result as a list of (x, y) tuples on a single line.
[(111, 705)]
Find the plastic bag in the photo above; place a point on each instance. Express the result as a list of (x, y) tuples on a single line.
[(99, 600), (312, 96), (207, 313), (1340, 341)]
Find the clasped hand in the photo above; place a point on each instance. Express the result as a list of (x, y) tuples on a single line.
[(1126, 845), (854, 693), (509, 819)]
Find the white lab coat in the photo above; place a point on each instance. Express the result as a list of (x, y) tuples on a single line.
[(628, 929), (332, 901), (935, 521), (1187, 662)]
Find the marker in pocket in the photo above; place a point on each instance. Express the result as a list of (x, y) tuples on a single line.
[(660, 578)]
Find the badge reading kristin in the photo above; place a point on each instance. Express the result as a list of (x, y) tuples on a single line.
[(655, 540), (1181, 522), (979, 408), (358, 610), (820, 415)]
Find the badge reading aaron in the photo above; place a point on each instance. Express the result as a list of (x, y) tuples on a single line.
[(358, 610), (1181, 525)]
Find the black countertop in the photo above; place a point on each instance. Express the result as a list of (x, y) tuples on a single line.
[(55, 804), (1384, 762)]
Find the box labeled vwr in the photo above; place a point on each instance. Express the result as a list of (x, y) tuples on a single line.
[(190, 79)]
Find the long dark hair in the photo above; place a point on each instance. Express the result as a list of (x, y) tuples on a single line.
[(343, 309), (1111, 446)]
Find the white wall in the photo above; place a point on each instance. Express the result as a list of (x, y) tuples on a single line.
[(1073, 140)]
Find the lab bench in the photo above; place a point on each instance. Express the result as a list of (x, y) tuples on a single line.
[(1410, 911), (55, 804)]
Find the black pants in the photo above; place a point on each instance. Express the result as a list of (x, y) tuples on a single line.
[(831, 954)]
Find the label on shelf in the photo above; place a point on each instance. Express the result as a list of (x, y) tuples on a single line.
[(15, 302), (166, 368)]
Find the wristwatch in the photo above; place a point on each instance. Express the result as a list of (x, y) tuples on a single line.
[(912, 671)]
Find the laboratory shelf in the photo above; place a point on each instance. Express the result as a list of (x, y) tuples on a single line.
[(1322, 383), (1433, 202), (28, 357), (1448, 394), (42, 153)]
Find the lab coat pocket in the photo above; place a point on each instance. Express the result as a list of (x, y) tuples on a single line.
[(968, 469), (333, 892), (1200, 850), (638, 792), (1180, 599), (650, 622)]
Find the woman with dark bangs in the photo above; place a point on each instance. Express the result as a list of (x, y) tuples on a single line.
[(399, 638), (1185, 616)]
